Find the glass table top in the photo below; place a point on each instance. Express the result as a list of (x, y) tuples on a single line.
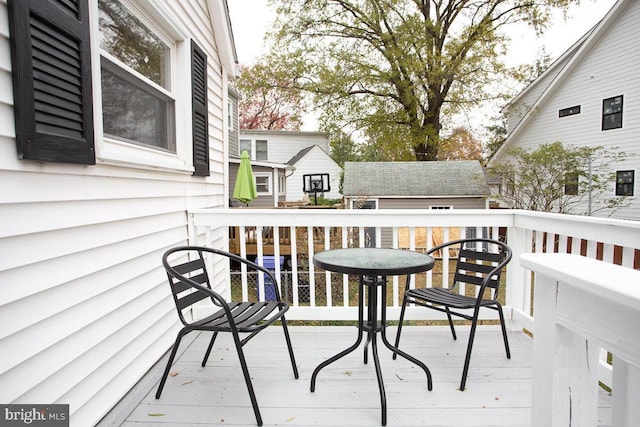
[(373, 261)]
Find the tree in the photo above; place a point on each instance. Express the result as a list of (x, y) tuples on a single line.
[(497, 135), (268, 100), (555, 178), (395, 68), (460, 145)]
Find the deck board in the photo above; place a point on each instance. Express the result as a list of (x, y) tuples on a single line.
[(498, 390)]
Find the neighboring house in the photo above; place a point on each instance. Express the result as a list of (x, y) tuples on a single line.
[(589, 97), (270, 176), (284, 147), (271, 183), (101, 154), (415, 185), (313, 161)]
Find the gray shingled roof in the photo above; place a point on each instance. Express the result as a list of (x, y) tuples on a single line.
[(415, 179)]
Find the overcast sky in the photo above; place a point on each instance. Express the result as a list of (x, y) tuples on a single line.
[(251, 18)]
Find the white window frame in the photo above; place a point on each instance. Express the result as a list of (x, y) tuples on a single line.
[(241, 149), (122, 153), (282, 183), (254, 151), (269, 178)]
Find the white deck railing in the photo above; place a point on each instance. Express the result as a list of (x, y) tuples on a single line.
[(583, 305), (525, 232)]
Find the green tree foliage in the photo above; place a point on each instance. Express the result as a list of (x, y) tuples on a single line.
[(558, 178), (393, 69)]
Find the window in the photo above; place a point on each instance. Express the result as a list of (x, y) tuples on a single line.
[(612, 113), (230, 115), (624, 183), (261, 150), (263, 183), (282, 183), (364, 204), (569, 111), (571, 184), (137, 100), (245, 145)]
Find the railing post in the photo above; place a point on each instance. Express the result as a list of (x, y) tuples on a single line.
[(517, 277), (581, 304), (564, 385)]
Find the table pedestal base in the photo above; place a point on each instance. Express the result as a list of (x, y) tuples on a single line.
[(372, 327)]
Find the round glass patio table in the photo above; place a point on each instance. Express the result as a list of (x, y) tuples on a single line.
[(373, 266)]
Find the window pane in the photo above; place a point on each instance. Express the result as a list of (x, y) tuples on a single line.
[(245, 145), (134, 114), (129, 40), (624, 183), (262, 184), (261, 150), (612, 113)]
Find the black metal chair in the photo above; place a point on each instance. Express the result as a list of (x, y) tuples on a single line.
[(479, 263), (190, 284)]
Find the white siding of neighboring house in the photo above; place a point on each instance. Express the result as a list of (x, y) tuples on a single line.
[(316, 161), (283, 145), (85, 308), (519, 106), (608, 68)]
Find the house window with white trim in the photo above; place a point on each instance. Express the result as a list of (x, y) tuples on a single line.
[(262, 152), (263, 183), (245, 145), (282, 183), (138, 100)]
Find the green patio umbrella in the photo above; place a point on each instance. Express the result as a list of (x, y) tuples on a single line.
[(245, 188)]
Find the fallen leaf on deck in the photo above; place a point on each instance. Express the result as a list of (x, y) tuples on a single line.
[(156, 415), (173, 374), (187, 382), (291, 419)]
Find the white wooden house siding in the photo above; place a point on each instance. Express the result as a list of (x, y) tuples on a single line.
[(85, 308), (314, 161), (283, 145), (520, 105), (605, 66)]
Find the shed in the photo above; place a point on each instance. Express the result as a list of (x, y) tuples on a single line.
[(415, 185)]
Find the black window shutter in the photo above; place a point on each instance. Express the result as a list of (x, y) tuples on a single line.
[(200, 120), (51, 69)]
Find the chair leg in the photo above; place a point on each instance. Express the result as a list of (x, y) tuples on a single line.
[(504, 332), (172, 356), (206, 355), (453, 330), (467, 359), (289, 347), (247, 378), (399, 331)]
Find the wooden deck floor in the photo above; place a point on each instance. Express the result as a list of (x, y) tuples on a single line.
[(498, 390)]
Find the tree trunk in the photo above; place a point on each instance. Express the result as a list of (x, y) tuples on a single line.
[(426, 138)]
